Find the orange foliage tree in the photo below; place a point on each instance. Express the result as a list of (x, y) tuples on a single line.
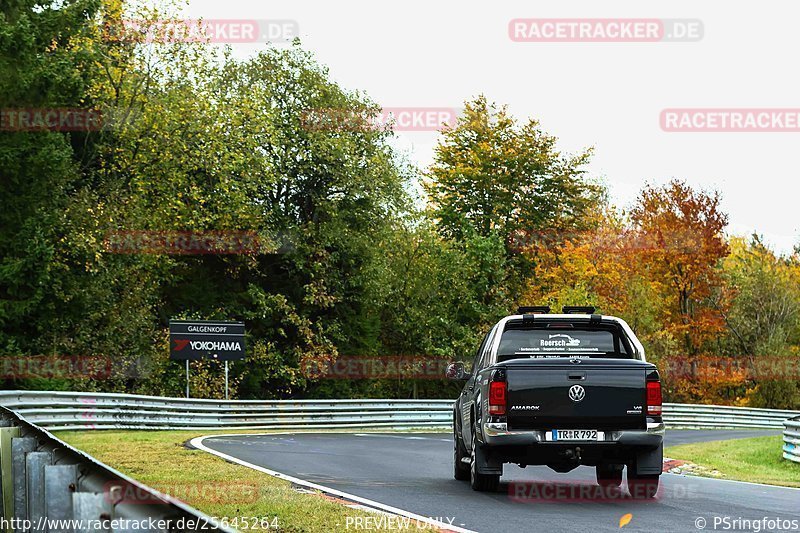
[(682, 234), (657, 268)]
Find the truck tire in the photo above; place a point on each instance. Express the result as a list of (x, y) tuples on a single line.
[(478, 481), (643, 486), (460, 469), (609, 475)]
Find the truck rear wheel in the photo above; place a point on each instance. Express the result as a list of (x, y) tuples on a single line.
[(478, 481)]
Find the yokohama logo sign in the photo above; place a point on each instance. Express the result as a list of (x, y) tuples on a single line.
[(205, 339), (180, 344)]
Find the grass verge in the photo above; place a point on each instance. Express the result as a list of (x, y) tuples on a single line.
[(218, 488), (757, 459)]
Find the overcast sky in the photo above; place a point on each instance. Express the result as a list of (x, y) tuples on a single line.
[(438, 53)]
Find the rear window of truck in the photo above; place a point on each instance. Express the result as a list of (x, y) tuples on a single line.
[(542, 343)]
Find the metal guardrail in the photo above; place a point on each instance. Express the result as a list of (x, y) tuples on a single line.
[(791, 440), (43, 480), (680, 415), (42, 476), (73, 410)]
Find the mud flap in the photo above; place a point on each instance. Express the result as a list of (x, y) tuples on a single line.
[(486, 464), (650, 461)]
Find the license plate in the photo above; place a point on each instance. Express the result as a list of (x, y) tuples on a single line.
[(573, 434)]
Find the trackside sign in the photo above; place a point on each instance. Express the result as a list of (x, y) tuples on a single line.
[(202, 339)]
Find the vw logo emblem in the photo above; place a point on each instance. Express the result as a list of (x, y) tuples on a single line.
[(576, 393)]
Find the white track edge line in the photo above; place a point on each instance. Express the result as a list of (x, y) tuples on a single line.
[(349, 496), (197, 442), (690, 476)]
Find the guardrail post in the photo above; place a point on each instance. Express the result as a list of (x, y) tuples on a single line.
[(20, 446), (791, 440), (34, 475), (88, 508), (6, 472), (60, 482), (3, 423), (54, 473)]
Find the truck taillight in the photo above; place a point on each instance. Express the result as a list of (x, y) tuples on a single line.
[(497, 398), (654, 398)]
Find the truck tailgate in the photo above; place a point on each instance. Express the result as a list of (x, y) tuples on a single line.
[(613, 395)]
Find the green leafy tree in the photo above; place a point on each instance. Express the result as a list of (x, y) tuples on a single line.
[(492, 175), (47, 61), (760, 303)]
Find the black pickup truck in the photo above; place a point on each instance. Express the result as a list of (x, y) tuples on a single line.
[(560, 390)]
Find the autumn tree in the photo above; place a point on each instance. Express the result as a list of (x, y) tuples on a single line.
[(681, 232)]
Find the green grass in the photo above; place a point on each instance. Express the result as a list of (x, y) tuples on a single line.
[(757, 459), (208, 483)]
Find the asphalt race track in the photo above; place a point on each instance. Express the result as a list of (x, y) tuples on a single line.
[(413, 472)]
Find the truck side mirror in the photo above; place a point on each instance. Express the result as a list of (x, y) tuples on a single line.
[(456, 372)]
